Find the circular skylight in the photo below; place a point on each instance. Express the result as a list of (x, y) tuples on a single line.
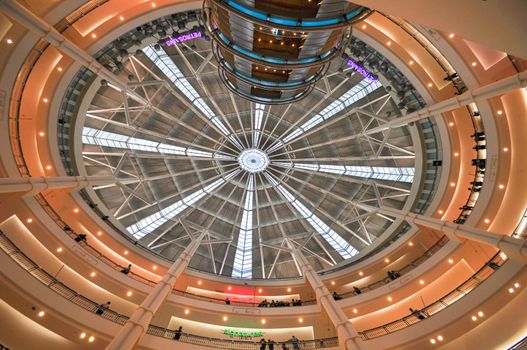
[(257, 178), (253, 160)]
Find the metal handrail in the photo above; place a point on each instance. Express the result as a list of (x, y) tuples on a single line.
[(51, 282), (10, 249), (457, 293)]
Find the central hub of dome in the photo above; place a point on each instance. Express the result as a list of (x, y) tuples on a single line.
[(253, 160)]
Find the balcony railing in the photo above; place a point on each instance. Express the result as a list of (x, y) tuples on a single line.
[(459, 292), (52, 283), (61, 289)]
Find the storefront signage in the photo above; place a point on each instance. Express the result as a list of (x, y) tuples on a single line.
[(183, 37), (243, 334), (361, 70)]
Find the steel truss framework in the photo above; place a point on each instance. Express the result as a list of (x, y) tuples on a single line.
[(324, 160)]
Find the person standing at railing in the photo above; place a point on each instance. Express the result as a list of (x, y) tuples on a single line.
[(271, 344), (227, 301), (80, 238), (103, 307), (296, 343), (127, 270), (263, 344), (177, 333)]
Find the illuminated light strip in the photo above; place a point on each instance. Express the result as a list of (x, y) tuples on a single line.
[(353, 95), (296, 23), (243, 259), (369, 76), (182, 38), (172, 72), (151, 222), (266, 59), (268, 83), (338, 243), (92, 136), (400, 174)]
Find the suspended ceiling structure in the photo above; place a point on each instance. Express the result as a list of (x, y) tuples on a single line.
[(252, 175)]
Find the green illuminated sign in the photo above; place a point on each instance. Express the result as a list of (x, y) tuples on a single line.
[(234, 333)]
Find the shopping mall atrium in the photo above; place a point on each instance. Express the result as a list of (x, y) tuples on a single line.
[(263, 174)]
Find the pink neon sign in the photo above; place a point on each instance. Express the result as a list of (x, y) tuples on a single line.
[(361, 70), (183, 37)]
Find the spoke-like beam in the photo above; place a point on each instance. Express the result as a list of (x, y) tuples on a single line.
[(345, 249), (243, 260), (109, 139), (177, 194), (356, 93), (153, 221), (172, 72), (137, 129), (354, 178), (400, 174), (280, 228)]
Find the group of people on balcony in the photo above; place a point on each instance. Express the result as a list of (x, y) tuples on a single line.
[(280, 303), (270, 344), (393, 275)]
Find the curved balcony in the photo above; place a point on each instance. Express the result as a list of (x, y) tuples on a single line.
[(25, 263)]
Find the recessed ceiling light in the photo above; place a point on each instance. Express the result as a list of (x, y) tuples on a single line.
[(9, 41), (41, 314), (451, 35)]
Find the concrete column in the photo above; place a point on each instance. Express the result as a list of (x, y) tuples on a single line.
[(349, 339), (513, 247), (33, 185), (135, 328)]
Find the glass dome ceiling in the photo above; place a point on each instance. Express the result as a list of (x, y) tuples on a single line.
[(252, 176)]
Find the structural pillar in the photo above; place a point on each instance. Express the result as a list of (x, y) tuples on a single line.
[(513, 247), (33, 185), (349, 339), (135, 328)]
